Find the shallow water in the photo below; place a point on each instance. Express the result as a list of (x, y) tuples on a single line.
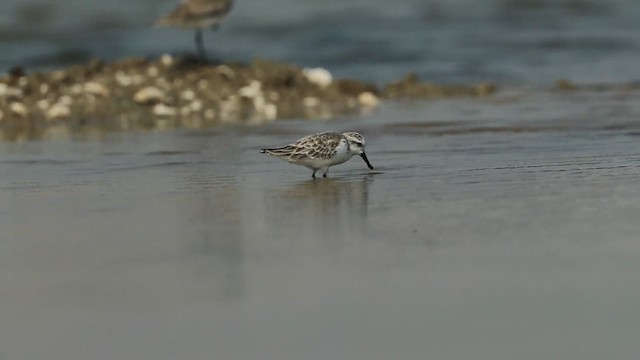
[(490, 229)]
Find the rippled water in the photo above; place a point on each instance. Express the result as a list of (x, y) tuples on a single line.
[(490, 229)]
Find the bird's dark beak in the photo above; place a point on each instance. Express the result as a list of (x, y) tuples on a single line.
[(364, 157)]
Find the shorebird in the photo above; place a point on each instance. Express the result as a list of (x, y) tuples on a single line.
[(197, 15), (321, 151)]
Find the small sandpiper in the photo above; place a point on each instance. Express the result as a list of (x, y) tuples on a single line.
[(321, 151), (197, 15)]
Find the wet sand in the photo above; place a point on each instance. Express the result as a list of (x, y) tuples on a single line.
[(490, 229)]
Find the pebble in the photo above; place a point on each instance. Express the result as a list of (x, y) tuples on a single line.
[(10, 91), (270, 111), (96, 89), (164, 110), (252, 91), (368, 99), (263, 109), (58, 111), (188, 95), (311, 101), (166, 60), (19, 109), (196, 105), (149, 95), (43, 104), (318, 76), (123, 79), (153, 71)]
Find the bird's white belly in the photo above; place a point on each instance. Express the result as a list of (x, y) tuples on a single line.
[(341, 156), (324, 163)]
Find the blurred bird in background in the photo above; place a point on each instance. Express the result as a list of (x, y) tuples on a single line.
[(197, 15)]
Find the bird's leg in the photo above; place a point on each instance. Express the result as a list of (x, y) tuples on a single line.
[(314, 174), (200, 45), (324, 173)]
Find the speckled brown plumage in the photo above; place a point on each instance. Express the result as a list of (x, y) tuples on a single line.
[(316, 146), (322, 150)]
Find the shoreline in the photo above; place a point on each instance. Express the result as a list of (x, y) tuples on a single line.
[(173, 93), (191, 93)]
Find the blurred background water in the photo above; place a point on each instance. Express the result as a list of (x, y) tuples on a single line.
[(528, 42)]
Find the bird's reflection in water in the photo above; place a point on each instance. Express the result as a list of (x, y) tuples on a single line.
[(331, 209), (216, 247)]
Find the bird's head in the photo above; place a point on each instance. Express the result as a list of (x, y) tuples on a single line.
[(356, 145)]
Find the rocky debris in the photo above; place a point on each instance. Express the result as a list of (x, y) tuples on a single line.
[(368, 99), (175, 92), (58, 111), (96, 89), (164, 110), (18, 109), (411, 87), (149, 95), (318, 76)]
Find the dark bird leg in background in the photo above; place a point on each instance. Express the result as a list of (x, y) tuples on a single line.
[(200, 45)]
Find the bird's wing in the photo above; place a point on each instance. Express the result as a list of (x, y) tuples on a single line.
[(202, 8), (315, 147), (196, 9)]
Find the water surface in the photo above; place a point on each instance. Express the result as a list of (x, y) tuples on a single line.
[(490, 229)]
